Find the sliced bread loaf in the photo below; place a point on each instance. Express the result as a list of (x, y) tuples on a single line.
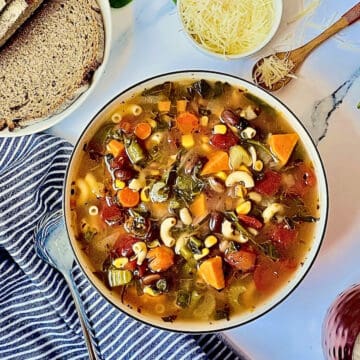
[(14, 15), (50, 61)]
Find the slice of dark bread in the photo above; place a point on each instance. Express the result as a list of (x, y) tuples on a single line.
[(14, 15), (3, 4), (50, 61)]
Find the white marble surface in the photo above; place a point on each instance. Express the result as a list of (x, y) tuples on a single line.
[(147, 40)]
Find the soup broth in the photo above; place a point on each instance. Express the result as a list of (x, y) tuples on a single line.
[(194, 200)]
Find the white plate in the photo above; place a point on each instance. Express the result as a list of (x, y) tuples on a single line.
[(55, 119)]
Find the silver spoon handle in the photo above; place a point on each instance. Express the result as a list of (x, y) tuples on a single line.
[(82, 317)]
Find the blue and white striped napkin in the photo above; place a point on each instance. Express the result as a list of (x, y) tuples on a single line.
[(37, 316)]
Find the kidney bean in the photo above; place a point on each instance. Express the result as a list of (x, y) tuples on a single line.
[(224, 141), (124, 174), (215, 221)]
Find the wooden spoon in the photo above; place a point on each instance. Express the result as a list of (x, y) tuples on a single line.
[(297, 56)]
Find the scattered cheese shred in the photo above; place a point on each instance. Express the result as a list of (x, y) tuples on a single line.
[(309, 9), (272, 70), (228, 27)]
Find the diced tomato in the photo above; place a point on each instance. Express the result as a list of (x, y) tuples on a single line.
[(131, 265), (241, 260), (123, 245), (250, 221), (269, 274), (224, 141), (304, 180), (270, 184), (282, 236), (112, 214), (138, 270)]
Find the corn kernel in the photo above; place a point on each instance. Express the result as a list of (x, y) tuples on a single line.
[(144, 195), (181, 105), (205, 139), (187, 141), (243, 208), (221, 175), (220, 129), (119, 184), (150, 291), (120, 262), (152, 123), (204, 121), (210, 241), (204, 252)]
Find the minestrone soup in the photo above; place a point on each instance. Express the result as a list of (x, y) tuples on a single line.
[(195, 200)]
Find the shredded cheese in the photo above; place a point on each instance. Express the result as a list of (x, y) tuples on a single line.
[(228, 27), (272, 70)]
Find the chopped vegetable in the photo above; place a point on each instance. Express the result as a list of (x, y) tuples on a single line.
[(117, 277), (282, 145), (187, 122), (223, 141), (143, 130), (250, 221), (241, 260), (159, 192), (115, 147), (164, 106), (199, 207), (270, 184), (160, 258), (218, 161), (212, 273), (134, 151), (181, 105), (183, 298), (128, 198)]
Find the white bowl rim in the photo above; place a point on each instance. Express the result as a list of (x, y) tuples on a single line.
[(52, 120), (279, 6), (285, 290)]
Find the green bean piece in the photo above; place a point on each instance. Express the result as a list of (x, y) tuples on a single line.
[(134, 151), (183, 298)]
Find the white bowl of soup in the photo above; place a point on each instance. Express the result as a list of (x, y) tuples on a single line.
[(195, 201)]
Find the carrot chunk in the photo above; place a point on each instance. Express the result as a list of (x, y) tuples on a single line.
[(212, 272), (128, 198), (142, 130), (187, 122), (282, 146), (218, 161), (115, 147), (160, 258), (198, 208)]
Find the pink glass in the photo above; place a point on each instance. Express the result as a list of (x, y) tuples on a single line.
[(342, 325)]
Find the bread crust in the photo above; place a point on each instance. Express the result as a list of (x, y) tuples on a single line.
[(50, 62)]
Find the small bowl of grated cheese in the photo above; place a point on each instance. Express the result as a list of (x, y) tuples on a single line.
[(230, 29)]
